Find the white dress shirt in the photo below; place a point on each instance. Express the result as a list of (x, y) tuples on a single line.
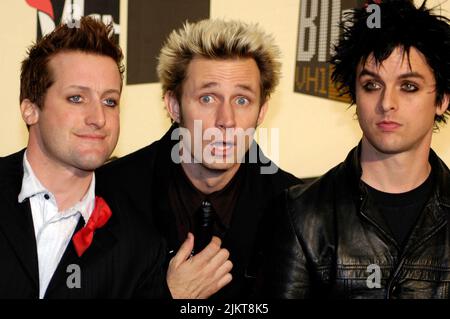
[(53, 229)]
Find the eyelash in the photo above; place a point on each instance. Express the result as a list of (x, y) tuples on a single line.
[(247, 101), (70, 99), (368, 87), (414, 87), (80, 100), (204, 96), (113, 100)]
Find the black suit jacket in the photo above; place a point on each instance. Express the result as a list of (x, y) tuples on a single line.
[(141, 181), (124, 260)]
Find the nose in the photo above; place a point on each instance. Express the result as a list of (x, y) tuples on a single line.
[(225, 116), (96, 115), (389, 100)]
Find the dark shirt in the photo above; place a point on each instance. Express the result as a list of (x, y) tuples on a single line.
[(185, 200), (401, 211)]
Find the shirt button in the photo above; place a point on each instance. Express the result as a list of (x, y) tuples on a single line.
[(46, 196)]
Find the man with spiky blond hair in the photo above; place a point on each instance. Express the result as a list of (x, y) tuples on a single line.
[(206, 178)]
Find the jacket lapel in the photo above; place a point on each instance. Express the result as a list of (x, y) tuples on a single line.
[(240, 237), (431, 220), (434, 216), (16, 221), (17, 224), (163, 174), (104, 240), (69, 257)]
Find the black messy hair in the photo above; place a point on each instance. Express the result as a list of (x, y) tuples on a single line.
[(402, 25)]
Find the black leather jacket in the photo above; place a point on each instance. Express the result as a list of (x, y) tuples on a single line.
[(331, 243)]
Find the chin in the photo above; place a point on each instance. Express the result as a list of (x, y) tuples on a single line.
[(89, 166), (389, 148), (90, 163), (219, 166)]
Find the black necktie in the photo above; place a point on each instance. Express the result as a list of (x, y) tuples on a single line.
[(204, 224)]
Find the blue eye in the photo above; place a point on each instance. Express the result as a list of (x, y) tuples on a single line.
[(110, 102), (206, 99), (75, 99), (242, 101)]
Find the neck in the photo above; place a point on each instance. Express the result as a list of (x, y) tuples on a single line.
[(67, 184), (207, 180), (394, 173)]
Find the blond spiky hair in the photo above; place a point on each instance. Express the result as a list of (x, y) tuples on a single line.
[(218, 39)]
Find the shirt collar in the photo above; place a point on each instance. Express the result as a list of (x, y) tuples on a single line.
[(31, 186), (223, 201), (86, 205)]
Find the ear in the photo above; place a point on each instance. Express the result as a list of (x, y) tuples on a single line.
[(442, 107), (30, 112), (262, 113), (172, 106)]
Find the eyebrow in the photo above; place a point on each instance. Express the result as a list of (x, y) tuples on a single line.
[(412, 75), (403, 76), (85, 88), (215, 84)]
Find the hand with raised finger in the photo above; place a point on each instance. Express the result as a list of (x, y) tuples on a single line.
[(201, 275)]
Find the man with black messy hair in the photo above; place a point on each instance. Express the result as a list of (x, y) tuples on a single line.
[(376, 225)]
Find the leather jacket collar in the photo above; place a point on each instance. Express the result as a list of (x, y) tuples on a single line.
[(441, 191)]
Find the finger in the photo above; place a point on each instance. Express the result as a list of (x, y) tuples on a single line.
[(225, 280), (184, 252), (219, 284), (209, 251), (218, 260), (224, 269)]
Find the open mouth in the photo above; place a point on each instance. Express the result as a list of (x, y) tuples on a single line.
[(221, 148)]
